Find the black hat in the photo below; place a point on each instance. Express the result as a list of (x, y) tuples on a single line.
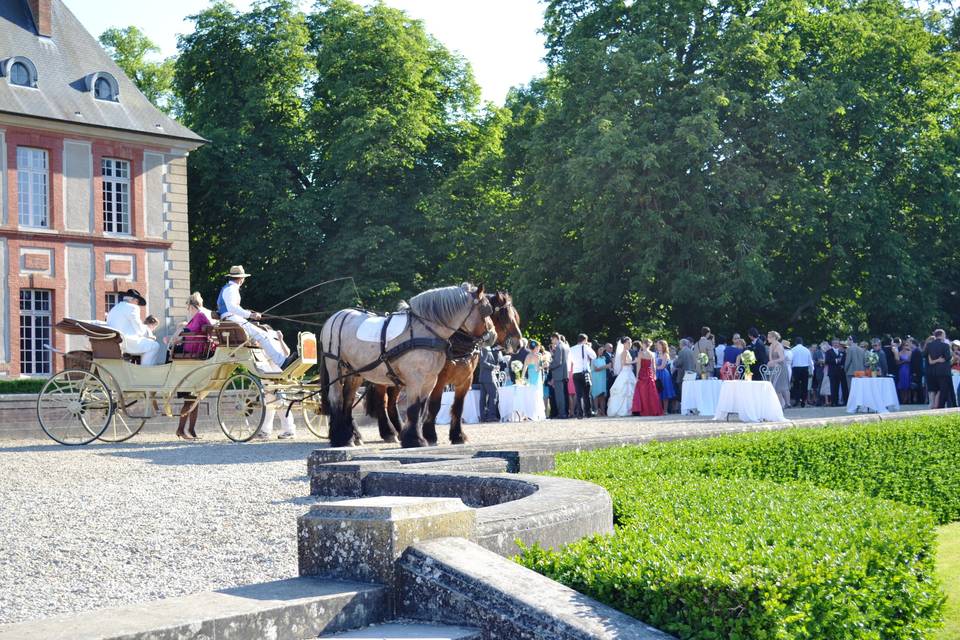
[(133, 293)]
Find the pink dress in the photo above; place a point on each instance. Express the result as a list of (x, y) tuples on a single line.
[(193, 339), (646, 400), (571, 390)]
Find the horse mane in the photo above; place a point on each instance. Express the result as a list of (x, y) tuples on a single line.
[(443, 305)]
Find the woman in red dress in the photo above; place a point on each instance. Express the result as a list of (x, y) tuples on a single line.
[(646, 400)]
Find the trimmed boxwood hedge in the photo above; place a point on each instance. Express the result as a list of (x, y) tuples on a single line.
[(742, 537), (22, 385)]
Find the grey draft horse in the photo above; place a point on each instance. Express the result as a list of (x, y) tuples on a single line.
[(412, 360)]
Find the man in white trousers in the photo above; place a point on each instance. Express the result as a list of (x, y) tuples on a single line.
[(138, 340), (229, 308), (272, 403)]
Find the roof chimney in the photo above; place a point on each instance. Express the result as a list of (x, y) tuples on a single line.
[(41, 16)]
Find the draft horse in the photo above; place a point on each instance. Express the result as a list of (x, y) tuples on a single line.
[(380, 401), (412, 360)]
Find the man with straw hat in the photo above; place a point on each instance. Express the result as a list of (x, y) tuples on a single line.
[(229, 308)]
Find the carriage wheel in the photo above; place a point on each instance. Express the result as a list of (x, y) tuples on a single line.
[(241, 407), (315, 420), (74, 407), (122, 427)]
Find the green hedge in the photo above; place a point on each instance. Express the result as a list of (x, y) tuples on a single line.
[(911, 461), (22, 385), (733, 538)]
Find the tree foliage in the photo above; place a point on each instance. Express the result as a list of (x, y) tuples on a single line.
[(787, 163), (131, 49)]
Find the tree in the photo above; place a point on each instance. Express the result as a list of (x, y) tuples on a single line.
[(732, 163), (328, 133), (130, 48)]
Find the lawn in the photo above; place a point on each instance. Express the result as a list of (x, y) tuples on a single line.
[(948, 570)]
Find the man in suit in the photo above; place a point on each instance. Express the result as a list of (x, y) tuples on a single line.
[(882, 366), (916, 372), (706, 345), (488, 385), (686, 361), (137, 338), (939, 379), (836, 359), (559, 373), (582, 357), (855, 361), (759, 349)]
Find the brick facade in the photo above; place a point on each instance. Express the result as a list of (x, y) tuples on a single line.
[(37, 258)]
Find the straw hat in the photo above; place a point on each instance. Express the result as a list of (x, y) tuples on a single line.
[(237, 271)]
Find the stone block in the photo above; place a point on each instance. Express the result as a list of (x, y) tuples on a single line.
[(523, 460), (454, 581), (362, 539), (344, 479), (325, 456)]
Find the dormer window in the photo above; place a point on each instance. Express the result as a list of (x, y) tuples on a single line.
[(103, 86), (102, 90), (20, 72)]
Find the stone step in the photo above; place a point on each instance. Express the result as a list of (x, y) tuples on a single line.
[(409, 631), (294, 608)]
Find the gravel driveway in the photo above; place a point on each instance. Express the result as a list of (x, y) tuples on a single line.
[(107, 525)]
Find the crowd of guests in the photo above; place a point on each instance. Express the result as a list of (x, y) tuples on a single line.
[(645, 378)]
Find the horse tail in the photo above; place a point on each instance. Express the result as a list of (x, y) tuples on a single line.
[(324, 385), (372, 400)]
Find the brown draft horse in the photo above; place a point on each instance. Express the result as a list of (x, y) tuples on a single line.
[(412, 360), (381, 400)]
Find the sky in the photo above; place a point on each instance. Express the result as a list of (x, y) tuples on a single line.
[(500, 38)]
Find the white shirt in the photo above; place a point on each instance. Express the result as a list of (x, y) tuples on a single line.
[(230, 295), (801, 356), (581, 358), (719, 353), (125, 318)]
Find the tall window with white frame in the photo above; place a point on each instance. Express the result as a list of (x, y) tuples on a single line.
[(35, 316), (116, 195), (32, 187)]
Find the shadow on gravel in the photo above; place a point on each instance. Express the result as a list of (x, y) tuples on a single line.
[(219, 453)]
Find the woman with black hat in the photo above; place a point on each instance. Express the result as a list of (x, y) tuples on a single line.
[(137, 339)]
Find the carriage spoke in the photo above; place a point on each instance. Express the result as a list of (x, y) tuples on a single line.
[(74, 407), (241, 407)]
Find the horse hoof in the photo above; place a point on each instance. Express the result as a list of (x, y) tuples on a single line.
[(391, 438), (411, 443), (431, 443), (458, 440)]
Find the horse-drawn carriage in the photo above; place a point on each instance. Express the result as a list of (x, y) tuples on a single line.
[(104, 394)]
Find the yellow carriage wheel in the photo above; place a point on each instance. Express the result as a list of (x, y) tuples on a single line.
[(74, 407)]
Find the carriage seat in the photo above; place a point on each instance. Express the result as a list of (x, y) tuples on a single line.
[(104, 341), (227, 334)]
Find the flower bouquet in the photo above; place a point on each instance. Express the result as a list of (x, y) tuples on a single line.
[(748, 358), (517, 367), (704, 360), (872, 360)]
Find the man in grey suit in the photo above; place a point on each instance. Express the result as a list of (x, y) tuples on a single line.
[(855, 360), (559, 373), (488, 385), (686, 361)]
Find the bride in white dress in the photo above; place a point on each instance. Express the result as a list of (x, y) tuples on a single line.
[(621, 393)]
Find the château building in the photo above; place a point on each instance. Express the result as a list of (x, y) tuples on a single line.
[(93, 187)]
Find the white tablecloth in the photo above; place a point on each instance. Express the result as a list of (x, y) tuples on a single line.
[(873, 394), (471, 408), (522, 402), (752, 401), (700, 396)]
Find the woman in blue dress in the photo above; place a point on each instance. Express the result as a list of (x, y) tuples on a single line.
[(598, 379), (667, 392)]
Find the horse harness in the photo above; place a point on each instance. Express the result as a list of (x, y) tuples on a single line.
[(456, 347)]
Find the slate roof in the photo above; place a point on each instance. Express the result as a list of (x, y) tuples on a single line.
[(63, 62)]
